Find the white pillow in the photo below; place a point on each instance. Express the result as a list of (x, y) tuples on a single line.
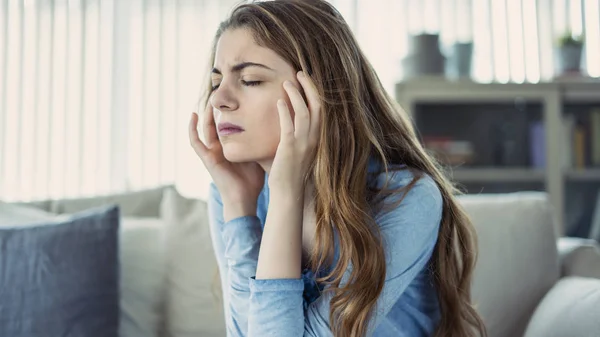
[(193, 304), (142, 266), (18, 215), (143, 272)]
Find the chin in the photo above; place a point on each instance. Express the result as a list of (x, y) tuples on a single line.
[(235, 157), (237, 154)]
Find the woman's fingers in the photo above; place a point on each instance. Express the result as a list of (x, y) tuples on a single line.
[(314, 105), (285, 120), (195, 141), (208, 125), (302, 116)]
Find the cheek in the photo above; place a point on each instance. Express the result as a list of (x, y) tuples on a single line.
[(266, 119), (273, 131), (269, 114), (265, 127)]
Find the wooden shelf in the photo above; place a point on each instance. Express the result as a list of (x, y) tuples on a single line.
[(581, 92), (494, 174), (440, 90), (589, 174)]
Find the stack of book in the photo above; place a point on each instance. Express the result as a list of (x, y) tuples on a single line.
[(450, 151), (582, 140)]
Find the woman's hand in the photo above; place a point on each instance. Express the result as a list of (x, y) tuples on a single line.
[(239, 184), (298, 140)]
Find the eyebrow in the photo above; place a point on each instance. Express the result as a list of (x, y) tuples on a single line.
[(241, 66)]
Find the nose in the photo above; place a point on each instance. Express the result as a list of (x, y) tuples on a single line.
[(223, 98)]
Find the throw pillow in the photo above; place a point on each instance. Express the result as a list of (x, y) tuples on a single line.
[(142, 203), (143, 272), (15, 215), (61, 277), (570, 309), (142, 266), (193, 304)]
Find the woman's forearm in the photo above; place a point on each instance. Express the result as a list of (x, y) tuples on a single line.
[(241, 237), (280, 253)]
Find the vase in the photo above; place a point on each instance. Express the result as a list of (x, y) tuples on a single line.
[(425, 57), (569, 58), (461, 59)]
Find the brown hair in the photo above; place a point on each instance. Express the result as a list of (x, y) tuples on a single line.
[(359, 120)]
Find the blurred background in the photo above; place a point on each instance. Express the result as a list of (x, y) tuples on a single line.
[(95, 95)]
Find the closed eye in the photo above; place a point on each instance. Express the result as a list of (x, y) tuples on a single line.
[(246, 83), (251, 83)]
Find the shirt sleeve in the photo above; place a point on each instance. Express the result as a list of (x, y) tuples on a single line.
[(409, 232), (236, 245)]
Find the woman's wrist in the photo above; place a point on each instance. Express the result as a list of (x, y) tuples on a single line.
[(236, 209)]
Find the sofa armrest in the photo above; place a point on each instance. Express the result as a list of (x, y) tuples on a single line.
[(579, 257), (570, 309)]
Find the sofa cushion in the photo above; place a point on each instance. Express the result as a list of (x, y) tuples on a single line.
[(21, 214), (143, 203), (60, 277), (143, 276), (142, 266), (517, 261), (579, 257), (193, 303), (570, 309), (43, 205)]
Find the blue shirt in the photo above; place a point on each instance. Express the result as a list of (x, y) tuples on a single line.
[(407, 306)]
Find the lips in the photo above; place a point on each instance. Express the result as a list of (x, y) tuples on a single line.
[(229, 128)]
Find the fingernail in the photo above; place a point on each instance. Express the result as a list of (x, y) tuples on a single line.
[(287, 83), (300, 73)]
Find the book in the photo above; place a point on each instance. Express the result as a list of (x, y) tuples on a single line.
[(579, 147), (595, 136), (568, 127), (537, 144)]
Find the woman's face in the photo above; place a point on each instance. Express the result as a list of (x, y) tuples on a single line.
[(247, 81)]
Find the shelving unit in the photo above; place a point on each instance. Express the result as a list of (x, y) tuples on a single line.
[(436, 105), (581, 185)]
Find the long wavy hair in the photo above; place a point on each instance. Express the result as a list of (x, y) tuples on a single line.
[(359, 120)]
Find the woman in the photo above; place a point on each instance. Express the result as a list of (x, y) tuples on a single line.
[(327, 216)]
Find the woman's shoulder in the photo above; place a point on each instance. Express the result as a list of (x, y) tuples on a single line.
[(399, 176), (416, 195)]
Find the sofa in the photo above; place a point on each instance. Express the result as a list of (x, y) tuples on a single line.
[(527, 282)]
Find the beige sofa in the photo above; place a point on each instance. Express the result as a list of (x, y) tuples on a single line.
[(527, 283)]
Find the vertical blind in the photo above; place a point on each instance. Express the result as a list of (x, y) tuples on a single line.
[(95, 95)]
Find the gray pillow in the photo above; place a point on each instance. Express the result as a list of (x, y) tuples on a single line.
[(570, 309), (61, 277)]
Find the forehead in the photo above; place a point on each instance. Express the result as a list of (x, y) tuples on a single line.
[(238, 45)]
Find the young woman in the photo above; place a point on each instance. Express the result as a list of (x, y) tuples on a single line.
[(327, 217)]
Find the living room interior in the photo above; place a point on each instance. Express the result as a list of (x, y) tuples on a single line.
[(95, 98)]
